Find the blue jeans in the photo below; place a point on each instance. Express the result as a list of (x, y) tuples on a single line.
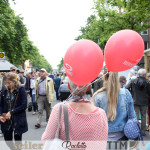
[(56, 89), (33, 102)]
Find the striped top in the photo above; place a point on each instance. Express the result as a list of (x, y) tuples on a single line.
[(87, 127)]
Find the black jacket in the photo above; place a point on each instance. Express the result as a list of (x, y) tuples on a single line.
[(140, 90), (19, 112)]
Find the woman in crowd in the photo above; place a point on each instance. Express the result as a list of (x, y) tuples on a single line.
[(13, 104), (86, 122), (113, 100), (32, 86)]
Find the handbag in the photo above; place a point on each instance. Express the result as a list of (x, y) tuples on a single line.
[(56, 143), (131, 129)]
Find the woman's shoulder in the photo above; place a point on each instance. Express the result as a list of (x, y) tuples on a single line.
[(124, 91), (100, 96)]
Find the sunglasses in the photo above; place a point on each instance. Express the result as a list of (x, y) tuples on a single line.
[(13, 70)]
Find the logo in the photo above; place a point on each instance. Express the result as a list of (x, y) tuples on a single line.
[(75, 146), (131, 63), (2, 55), (68, 69)]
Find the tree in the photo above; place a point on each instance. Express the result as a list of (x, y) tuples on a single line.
[(61, 64), (14, 40), (134, 15)]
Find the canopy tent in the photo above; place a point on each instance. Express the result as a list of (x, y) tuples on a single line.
[(5, 66)]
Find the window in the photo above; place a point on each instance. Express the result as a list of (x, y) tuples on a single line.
[(146, 44), (144, 32)]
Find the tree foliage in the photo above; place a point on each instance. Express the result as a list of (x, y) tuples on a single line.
[(61, 64), (107, 19), (14, 40)]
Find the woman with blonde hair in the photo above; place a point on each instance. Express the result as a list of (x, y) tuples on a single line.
[(113, 100), (13, 104)]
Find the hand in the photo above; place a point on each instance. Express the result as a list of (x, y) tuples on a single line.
[(2, 119), (8, 116)]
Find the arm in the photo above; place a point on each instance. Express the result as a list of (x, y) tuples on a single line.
[(132, 114), (32, 86), (51, 90), (1, 103), (2, 119), (22, 81), (23, 105), (51, 127), (105, 125)]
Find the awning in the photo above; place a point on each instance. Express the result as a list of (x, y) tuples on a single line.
[(5, 66)]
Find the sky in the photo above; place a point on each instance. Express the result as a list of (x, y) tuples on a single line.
[(53, 24)]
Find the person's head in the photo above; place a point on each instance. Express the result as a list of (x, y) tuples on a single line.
[(65, 82), (12, 80), (57, 75), (22, 72), (43, 73), (77, 90), (132, 73), (122, 80), (13, 69), (33, 74), (148, 76), (142, 73), (28, 75)]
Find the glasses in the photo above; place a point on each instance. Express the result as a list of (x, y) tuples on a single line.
[(13, 70)]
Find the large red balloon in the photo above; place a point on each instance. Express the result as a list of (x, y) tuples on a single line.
[(123, 50), (83, 62)]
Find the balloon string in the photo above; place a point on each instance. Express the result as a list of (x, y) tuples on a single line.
[(84, 87)]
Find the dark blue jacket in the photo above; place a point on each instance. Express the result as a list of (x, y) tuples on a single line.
[(19, 112)]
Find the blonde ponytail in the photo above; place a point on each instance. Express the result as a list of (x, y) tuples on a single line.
[(113, 88)]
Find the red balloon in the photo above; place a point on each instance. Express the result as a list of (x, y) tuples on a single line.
[(83, 62), (123, 50)]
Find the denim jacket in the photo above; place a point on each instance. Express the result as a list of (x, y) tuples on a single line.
[(122, 114)]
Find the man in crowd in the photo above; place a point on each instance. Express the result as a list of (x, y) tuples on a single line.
[(13, 69), (57, 82), (122, 80), (140, 90), (44, 95)]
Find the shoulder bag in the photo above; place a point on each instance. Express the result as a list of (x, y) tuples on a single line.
[(56, 143), (131, 129)]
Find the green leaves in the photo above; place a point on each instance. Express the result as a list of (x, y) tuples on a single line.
[(14, 40), (108, 20), (61, 64)]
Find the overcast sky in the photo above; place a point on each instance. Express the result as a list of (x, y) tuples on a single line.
[(53, 24)]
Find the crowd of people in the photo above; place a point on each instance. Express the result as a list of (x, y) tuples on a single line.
[(96, 112)]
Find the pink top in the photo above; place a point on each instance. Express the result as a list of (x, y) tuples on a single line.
[(87, 127)]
